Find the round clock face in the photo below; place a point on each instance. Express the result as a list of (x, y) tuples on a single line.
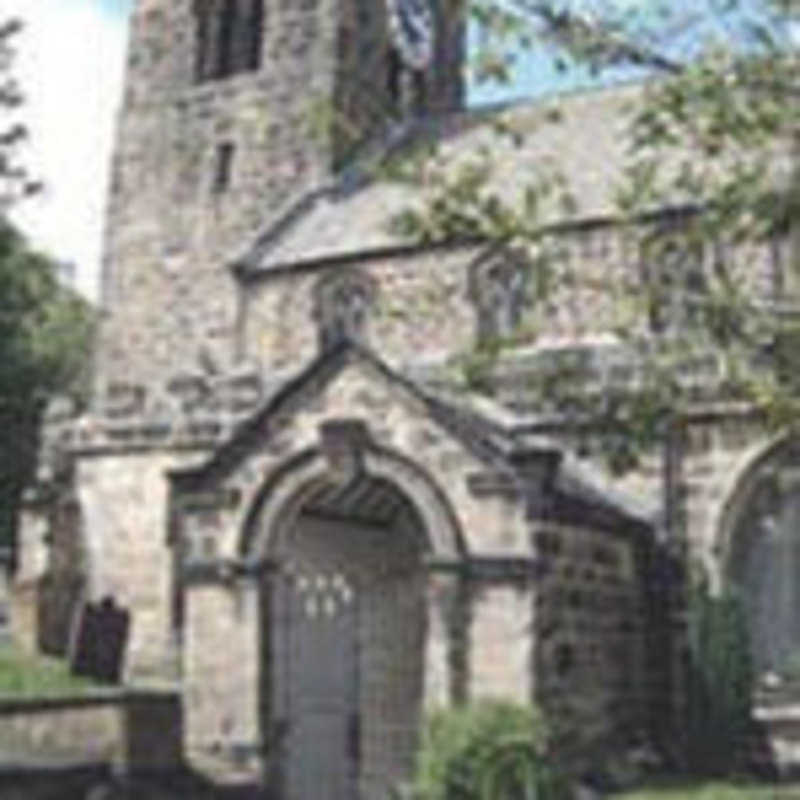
[(412, 30)]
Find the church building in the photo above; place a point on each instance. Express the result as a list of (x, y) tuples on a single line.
[(319, 532)]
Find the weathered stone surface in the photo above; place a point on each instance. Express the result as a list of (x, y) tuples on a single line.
[(127, 730), (170, 235), (269, 350)]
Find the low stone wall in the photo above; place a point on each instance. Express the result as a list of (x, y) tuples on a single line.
[(132, 730)]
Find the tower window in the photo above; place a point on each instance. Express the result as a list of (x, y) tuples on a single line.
[(223, 167), (224, 45), (229, 37)]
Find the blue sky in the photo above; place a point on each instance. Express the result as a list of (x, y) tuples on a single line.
[(115, 7), (70, 64)]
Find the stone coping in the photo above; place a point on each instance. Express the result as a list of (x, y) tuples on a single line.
[(10, 704), (477, 566), (22, 764)]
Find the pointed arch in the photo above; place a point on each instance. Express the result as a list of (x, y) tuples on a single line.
[(739, 493)]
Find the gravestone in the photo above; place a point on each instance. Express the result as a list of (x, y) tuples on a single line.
[(100, 642), (5, 571)]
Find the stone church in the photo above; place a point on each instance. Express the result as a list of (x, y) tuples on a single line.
[(317, 533)]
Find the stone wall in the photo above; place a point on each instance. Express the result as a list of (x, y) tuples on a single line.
[(124, 500), (31, 558), (107, 536), (421, 311), (129, 730), (590, 628), (428, 304), (25, 616), (501, 635), (62, 588), (172, 229), (222, 670), (169, 233)]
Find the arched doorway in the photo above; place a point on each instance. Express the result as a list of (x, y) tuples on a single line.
[(344, 631), (763, 562)]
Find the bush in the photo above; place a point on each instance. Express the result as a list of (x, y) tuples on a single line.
[(720, 684), (492, 750)]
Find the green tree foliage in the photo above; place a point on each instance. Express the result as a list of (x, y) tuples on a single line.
[(45, 329), (45, 335), (15, 181), (714, 134)]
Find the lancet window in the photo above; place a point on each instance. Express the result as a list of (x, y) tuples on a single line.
[(498, 289)]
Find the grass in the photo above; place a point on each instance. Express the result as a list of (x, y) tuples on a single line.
[(32, 676), (714, 790)]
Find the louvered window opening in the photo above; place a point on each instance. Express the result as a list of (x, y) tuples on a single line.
[(229, 38)]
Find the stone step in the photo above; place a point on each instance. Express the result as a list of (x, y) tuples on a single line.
[(776, 741)]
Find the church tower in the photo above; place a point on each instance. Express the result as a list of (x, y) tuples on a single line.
[(233, 109)]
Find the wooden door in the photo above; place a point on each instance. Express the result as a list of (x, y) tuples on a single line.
[(315, 622)]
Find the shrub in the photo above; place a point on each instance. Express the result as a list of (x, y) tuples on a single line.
[(719, 684), (491, 750)]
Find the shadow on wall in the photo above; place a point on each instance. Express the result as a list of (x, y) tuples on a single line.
[(98, 782)]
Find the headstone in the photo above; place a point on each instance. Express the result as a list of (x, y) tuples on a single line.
[(100, 642), (5, 596)]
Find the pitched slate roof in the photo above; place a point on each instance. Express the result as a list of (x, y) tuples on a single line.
[(587, 142), (350, 214)]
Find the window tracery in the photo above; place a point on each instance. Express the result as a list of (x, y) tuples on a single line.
[(675, 275), (499, 290), (342, 307)]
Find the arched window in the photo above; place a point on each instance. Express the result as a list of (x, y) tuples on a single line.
[(229, 37), (673, 270), (498, 288)]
